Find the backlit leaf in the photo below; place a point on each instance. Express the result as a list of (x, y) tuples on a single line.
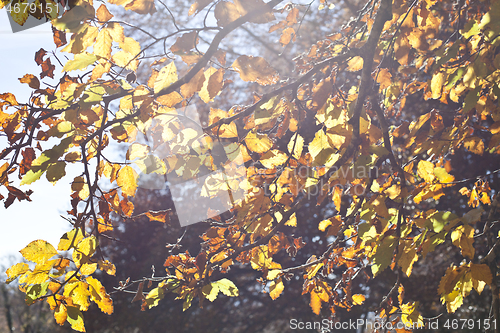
[(255, 69), (165, 78), (38, 251), (127, 180), (81, 61), (276, 288), (259, 143)]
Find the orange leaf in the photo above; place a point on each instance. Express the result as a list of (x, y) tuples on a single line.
[(103, 14)]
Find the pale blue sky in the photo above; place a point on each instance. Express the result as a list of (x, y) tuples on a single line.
[(25, 221)]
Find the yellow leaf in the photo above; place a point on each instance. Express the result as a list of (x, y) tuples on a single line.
[(437, 82), (324, 224), (79, 294), (127, 180), (75, 319), (276, 288), (443, 176), (165, 78), (116, 31), (474, 145), (123, 59), (102, 46), (142, 6), (38, 251), (227, 287), (259, 143), (99, 296), (384, 78), (320, 148), (14, 271), (355, 64), (425, 170), (407, 259), (463, 237), (60, 314), (273, 158), (315, 302), (255, 69), (107, 267), (84, 250), (130, 46), (70, 239), (170, 100), (358, 299), (297, 145), (394, 191), (212, 84), (292, 222), (210, 291)]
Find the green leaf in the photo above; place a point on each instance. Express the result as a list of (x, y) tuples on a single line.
[(81, 61), (36, 291), (56, 171), (383, 255), (439, 220)]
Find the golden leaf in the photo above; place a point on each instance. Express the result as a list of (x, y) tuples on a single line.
[(103, 14), (259, 143), (273, 158), (358, 299), (425, 170), (102, 46), (315, 302), (474, 145), (38, 251), (355, 64), (127, 180), (276, 288), (437, 82), (165, 78), (99, 296)]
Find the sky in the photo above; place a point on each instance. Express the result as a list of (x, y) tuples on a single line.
[(25, 221)]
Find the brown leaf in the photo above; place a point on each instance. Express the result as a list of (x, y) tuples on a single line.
[(47, 69), (39, 56), (198, 6), (287, 35), (59, 37), (194, 85), (185, 43), (225, 13), (255, 69), (31, 80)]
